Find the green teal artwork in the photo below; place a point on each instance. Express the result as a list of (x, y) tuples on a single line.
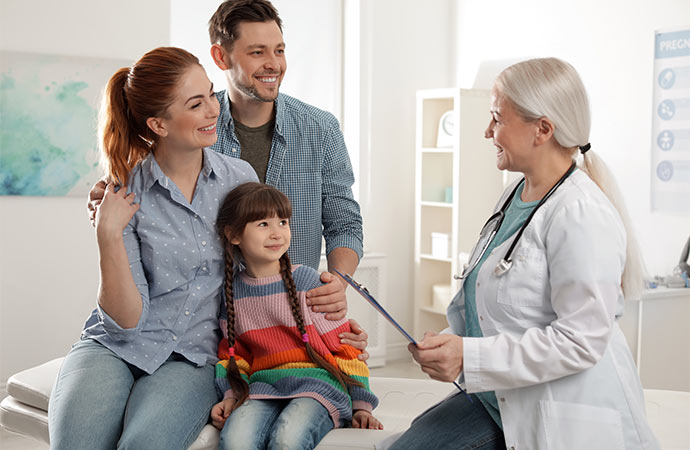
[(48, 122)]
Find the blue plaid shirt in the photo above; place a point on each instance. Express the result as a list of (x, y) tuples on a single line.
[(177, 263), (310, 164)]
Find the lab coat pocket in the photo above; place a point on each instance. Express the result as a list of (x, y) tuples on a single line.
[(525, 283), (577, 426)]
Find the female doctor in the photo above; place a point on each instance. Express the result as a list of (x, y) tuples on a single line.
[(533, 331)]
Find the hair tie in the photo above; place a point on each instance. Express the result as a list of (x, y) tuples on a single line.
[(585, 148), (305, 338), (231, 351)]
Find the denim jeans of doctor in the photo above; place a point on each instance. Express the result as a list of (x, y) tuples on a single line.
[(298, 423), (101, 402), (456, 424)]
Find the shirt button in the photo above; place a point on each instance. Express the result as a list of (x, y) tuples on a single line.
[(234, 150), (204, 268), (198, 288), (481, 317), (203, 242), (174, 337), (503, 399), (186, 313)]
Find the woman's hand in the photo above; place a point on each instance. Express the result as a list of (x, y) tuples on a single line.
[(221, 411), (329, 298), (114, 212), (439, 355), (364, 419)]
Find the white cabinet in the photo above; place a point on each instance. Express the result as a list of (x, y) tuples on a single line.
[(657, 331), (456, 187)]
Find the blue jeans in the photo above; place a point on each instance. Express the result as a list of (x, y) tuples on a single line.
[(456, 424), (298, 423), (101, 402)]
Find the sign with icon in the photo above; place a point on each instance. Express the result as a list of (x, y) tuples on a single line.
[(671, 122)]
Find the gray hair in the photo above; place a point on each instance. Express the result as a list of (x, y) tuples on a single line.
[(550, 87)]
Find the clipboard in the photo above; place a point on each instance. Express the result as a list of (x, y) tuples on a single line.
[(364, 292), (377, 306)]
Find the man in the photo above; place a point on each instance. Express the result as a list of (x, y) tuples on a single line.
[(291, 145)]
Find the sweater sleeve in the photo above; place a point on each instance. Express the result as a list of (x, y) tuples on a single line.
[(346, 359), (328, 344)]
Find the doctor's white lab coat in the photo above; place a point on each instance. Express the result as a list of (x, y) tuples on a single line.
[(552, 348)]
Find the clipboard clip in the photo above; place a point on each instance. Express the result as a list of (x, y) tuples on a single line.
[(352, 281)]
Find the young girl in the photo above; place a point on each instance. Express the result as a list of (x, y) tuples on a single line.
[(288, 360)]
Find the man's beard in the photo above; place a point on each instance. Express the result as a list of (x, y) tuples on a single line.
[(253, 92)]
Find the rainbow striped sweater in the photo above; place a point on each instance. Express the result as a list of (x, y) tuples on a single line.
[(270, 353)]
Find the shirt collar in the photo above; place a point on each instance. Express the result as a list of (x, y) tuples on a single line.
[(152, 172), (226, 118), (209, 165), (280, 113)]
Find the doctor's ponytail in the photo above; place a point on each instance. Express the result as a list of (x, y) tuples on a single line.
[(633, 272)]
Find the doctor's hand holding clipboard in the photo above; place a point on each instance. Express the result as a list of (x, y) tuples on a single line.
[(434, 353)]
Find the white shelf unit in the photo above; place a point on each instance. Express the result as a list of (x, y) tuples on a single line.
[(468, 168)]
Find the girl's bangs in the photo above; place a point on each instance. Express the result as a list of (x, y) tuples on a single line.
[(267, 203)]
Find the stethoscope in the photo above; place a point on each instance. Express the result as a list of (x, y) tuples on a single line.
[(492, 226)]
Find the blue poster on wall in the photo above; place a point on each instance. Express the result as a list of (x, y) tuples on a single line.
[(48, 122), (671, 122)]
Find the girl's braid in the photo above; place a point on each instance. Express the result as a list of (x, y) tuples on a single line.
[(239, 386), (229, 299), (286, 273)]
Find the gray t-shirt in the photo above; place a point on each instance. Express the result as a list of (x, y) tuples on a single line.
[(256, 145)]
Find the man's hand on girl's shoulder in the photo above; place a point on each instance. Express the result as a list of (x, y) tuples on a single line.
[(329, 298)]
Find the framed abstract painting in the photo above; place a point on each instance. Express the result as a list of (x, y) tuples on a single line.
[(48, 122)]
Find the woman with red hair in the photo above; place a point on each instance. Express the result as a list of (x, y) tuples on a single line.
[(142, 374)]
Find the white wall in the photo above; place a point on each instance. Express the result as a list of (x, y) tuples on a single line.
[(48, 263), (411, 47), (611, 44)]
